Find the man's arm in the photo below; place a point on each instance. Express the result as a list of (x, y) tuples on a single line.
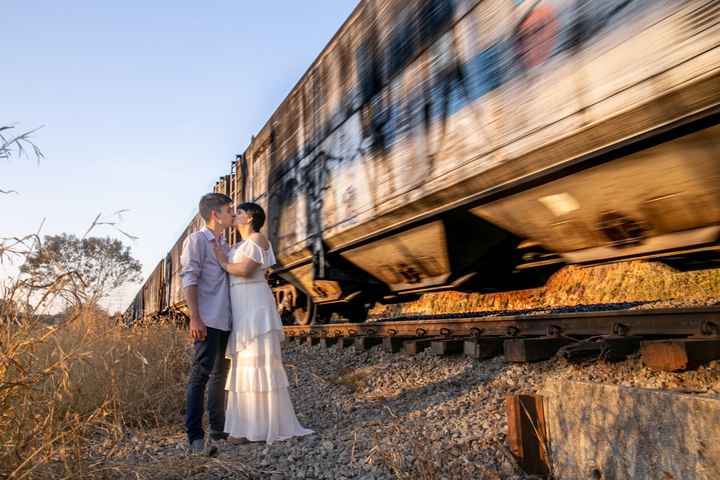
[(190, 273), (198, 330)]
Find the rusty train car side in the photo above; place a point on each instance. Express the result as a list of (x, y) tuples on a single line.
[(482, 145)]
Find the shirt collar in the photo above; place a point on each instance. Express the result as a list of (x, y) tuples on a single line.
[(210, 235)]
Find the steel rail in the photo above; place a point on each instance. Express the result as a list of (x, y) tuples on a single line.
[(676, 321)]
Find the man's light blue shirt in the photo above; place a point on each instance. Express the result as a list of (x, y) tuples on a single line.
[(200, 267)]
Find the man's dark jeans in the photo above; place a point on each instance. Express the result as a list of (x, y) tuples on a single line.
[(210, 367)]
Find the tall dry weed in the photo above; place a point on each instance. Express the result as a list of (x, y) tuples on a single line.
[(65, 387)]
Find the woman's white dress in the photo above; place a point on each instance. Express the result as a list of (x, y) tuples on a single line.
[(258, 403)]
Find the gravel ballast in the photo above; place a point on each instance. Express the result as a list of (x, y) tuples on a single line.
[(382, 416)]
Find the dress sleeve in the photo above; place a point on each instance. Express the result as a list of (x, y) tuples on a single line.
[(270, 257), (250, 250)]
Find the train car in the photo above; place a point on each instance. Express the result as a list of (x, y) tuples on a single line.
[(153, 292), (127, 317), (135, 311), (481, 146)]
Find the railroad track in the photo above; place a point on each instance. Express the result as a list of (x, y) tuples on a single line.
[(659, 322), (669, 339)]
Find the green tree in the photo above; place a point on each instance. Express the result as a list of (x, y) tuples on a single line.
[(80, 271)]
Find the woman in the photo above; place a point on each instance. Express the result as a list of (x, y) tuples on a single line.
[(258, 404)]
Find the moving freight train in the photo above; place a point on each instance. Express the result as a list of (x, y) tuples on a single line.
[(481, 146)]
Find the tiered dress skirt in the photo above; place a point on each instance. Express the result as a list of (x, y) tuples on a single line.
[(258, 403)]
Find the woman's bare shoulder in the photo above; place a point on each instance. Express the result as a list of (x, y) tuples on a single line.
[(260, 240)]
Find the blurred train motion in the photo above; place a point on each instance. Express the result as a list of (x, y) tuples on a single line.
[(481, 146)]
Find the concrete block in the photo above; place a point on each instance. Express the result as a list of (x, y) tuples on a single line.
[(610, 432)]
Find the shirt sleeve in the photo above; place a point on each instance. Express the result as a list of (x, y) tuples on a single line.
[(191, 261)]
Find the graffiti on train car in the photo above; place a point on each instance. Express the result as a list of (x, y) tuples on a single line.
[(414, 71)]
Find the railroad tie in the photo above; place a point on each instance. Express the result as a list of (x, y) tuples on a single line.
[(447, 346), (345, 342), (395, 344), (363, 344), (679, 354), (527, 433), (326, 342), (533, 349), (414, 347), (483, 348)]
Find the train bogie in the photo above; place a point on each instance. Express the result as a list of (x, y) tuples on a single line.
[(643, 204)]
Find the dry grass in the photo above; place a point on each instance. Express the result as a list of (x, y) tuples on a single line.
[(615, 283), (64, 387)]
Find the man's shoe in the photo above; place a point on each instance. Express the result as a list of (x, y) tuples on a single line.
[(218, 435), (197, 447), (211, 451)]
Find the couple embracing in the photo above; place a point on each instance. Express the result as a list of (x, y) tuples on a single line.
[(236, 331)]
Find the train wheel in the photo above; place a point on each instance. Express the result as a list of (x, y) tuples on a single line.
[(305, 314), (287, 317), (294, 306)]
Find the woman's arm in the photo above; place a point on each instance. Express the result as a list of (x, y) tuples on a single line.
[(244, 268)]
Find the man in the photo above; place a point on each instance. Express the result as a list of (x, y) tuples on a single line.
[(207, 294)]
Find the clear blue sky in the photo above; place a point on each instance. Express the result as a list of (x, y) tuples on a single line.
[(144, 104)]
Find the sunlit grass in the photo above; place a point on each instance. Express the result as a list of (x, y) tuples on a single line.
[(614, 283)]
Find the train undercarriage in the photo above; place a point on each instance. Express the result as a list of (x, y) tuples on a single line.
[(658, 201)]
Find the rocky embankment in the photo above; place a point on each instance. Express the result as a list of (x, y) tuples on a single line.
[(383, 416)]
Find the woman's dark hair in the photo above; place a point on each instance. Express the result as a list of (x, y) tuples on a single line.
[(256, 213)]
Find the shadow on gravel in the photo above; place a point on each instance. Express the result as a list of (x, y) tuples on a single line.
[(429, 395)]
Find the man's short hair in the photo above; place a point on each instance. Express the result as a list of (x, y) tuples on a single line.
[(212, 202)]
